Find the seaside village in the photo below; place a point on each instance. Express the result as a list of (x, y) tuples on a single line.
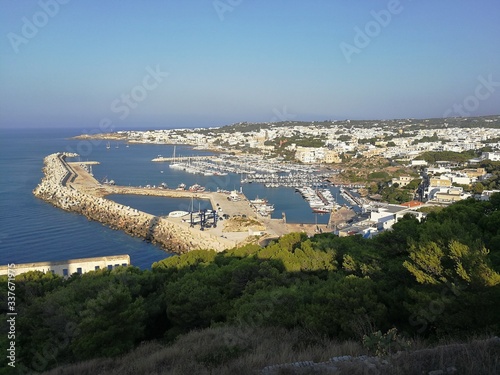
[(330, 144), (311, 159)]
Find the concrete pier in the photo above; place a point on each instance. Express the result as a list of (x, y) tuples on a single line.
[(70, 187)]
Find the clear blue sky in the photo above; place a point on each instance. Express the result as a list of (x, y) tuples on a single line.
[(250, 61)]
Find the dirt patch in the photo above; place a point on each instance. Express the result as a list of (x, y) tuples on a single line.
[(242, 224)]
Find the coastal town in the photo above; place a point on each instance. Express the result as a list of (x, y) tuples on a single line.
[(384, 169), (330, 142), (364, 176)]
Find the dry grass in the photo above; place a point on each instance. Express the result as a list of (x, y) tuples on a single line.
[(221, 350), (235, 350), (477, 357)]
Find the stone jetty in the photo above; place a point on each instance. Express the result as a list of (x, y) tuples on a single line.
[(57, 187)]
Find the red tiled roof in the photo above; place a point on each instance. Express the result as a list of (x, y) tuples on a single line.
[(412, 204)]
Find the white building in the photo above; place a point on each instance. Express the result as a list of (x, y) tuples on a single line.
[(66, 268), (493, 156), (418, 163)]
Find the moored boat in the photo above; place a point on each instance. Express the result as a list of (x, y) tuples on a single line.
[(258, 201), (178, 213)]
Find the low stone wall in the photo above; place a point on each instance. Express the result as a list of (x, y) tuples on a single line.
[(171, 236)]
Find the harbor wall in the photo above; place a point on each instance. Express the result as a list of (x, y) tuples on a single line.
[(169, 235)]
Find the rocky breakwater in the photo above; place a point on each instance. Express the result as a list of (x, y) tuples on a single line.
[(56, 189)]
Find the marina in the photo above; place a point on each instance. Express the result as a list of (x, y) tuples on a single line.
[(255, 169), (134, 174), (70, 186), (274, 180)]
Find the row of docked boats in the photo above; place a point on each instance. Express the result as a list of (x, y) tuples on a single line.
[(274, 180), (224, 164), (196, 188), (198, 167), (320, 200)]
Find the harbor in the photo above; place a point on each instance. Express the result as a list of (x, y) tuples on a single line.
[(71, 188), (232, 220)]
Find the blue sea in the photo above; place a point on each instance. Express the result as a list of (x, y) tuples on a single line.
[(34, 231)]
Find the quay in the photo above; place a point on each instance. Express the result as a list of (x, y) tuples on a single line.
[(70, 186), (350, 197)]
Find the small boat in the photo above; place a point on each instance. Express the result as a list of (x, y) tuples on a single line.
[(108, 182), (196, 188), (178, 214), (108, 145), (320, 210), (268, 207), (258, 201)]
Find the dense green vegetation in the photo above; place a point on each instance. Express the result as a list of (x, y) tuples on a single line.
[(410, 126), (492, 167), (298, 140), (432, 157), (438, 278), (433, 138), (395, 195)]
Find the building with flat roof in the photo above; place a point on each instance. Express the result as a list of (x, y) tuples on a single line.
[(402, 181), (66, 268)]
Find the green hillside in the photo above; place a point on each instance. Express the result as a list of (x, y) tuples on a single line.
[(431, 280)]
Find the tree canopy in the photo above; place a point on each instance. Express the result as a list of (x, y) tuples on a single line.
[(435, 278)]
